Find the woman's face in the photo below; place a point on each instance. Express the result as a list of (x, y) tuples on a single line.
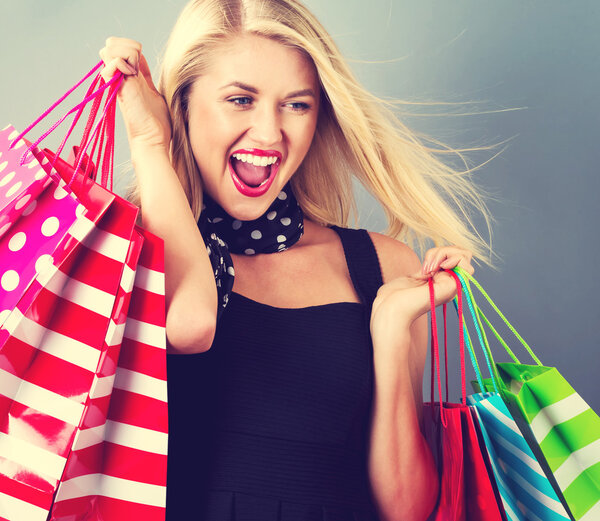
[(252, 117)]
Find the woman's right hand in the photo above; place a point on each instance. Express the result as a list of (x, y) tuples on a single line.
[(144, 110)]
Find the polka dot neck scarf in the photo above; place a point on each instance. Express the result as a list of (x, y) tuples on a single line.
[(279, 228)]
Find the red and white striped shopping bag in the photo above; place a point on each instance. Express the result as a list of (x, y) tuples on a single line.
[(51, 348), (117, 467), (83, 405)]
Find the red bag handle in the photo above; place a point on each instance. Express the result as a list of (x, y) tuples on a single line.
[(435, 355)]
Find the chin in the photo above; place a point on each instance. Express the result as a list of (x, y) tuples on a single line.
[(251, 209)]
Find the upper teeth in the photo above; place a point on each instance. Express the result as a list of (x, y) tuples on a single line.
[(256, 160)]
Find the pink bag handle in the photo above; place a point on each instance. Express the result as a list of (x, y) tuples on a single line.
[(90, 121), (104, 125), (435, 354), (88, 128), (55, 104), (79, 107)]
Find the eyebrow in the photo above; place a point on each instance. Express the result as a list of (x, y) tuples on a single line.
[(254, 90)]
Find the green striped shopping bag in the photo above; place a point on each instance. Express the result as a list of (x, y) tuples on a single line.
[(558, 423), (524, 488)]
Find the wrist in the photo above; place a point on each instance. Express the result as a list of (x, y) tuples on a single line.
[(391, 343), (386, 326), (142, 153)]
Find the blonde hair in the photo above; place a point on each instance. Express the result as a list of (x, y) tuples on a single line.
[(357, 134)]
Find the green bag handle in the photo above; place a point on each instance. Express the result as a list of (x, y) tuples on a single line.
[(481, 316), (483, 342)]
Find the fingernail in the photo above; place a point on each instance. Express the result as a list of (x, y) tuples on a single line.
[(131, 69)]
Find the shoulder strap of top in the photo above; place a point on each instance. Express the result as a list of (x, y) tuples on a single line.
[(363, 263)]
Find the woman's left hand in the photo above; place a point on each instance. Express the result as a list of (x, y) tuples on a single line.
[(401, 301)]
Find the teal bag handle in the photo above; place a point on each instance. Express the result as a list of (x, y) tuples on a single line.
[(466, 336), (472, 356), (483, 342), (469, 278)]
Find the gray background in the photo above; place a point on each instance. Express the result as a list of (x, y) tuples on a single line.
[(526, 71)]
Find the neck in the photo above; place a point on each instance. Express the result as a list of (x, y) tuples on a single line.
[(280, 227)]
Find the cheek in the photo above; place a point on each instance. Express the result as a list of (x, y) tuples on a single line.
[(308, 138), (211, 141), (305, 132)]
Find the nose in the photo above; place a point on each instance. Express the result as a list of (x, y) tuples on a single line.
[(266, 128)]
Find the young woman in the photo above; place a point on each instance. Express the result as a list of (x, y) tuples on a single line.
[(297, 345)]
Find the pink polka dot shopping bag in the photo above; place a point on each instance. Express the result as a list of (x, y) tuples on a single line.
[(83, 406)]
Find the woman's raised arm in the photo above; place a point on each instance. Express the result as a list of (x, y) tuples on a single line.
[(191, 293)]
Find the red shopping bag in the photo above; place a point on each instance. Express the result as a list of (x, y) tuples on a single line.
[(53, 348), (467, 489), (117, 468), (117, 465), (59, 351)]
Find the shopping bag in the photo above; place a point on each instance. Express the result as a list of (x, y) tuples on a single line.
[(38, 412), (524, 488), (51, 348), (558, 424), (117, 466), (125, 447), (467, 489), (37, 223), (124, 480), (117, 469), (52, 351)]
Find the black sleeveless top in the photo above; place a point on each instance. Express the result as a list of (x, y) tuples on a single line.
[(271, 424)]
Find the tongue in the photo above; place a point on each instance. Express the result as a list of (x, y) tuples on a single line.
[(250, 174)]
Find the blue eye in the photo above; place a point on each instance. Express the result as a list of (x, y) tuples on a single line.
[(299, 106), (241, 101)]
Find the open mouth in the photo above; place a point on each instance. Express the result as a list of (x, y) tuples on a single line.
[(253, 171)]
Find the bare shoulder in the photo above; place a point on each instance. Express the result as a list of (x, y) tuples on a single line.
[(395, 258)]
